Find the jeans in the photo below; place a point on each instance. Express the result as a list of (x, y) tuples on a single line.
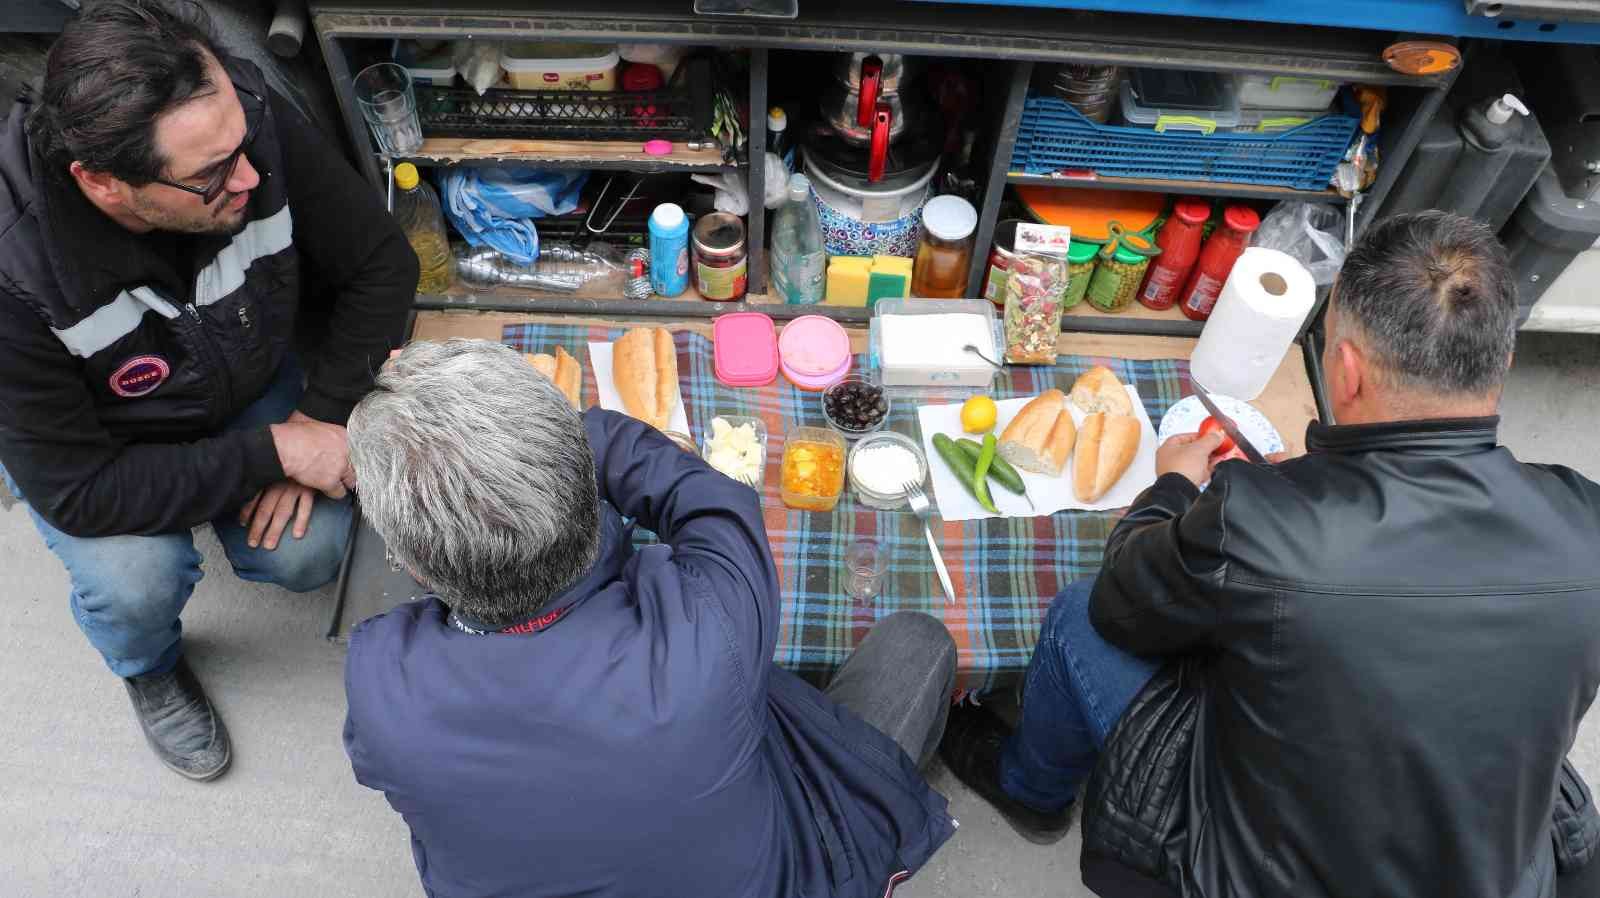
[(128, 591), (900, 679), (1078, 685)]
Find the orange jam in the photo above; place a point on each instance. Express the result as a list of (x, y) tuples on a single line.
[(813, 474)]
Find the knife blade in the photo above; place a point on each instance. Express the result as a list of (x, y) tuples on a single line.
[(1230, 427)]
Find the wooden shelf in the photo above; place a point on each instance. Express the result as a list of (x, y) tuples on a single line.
[(1136, 318), (443, 151), (1198, 188)]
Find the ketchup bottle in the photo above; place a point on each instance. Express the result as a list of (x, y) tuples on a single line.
[(1180, 246), (1223, 249)]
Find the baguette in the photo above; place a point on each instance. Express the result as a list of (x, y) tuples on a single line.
[(1098, 390), (562, 370), (644, 366), (1040, 437), (1106, 447)]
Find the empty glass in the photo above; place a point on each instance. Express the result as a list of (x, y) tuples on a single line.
[(864, 563), (383, 91)]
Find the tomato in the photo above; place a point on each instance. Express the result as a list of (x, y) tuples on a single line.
[(1233, 452), (1227, 446)]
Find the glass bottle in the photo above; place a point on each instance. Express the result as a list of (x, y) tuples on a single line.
[(944, 257)]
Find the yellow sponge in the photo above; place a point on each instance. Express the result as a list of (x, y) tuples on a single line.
[(891, 279), (847, 280)]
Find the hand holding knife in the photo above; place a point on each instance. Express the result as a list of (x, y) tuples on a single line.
[(1229, 427)]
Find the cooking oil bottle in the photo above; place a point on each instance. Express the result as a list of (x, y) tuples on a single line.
[(416, 208)]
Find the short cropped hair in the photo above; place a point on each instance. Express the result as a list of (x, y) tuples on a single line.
[(111, 73), (477, 472), (1434, 295)]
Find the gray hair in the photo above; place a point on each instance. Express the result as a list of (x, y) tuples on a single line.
[(1435, 298), (477, 472)]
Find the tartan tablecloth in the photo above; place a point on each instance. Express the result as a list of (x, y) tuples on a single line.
[(1005, 571)]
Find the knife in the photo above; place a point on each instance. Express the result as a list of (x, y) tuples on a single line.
[(1229, 427)]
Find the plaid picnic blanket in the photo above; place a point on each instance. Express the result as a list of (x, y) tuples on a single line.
[(1005, 571)]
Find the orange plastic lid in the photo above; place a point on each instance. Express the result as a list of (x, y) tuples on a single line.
[(1087, 211)]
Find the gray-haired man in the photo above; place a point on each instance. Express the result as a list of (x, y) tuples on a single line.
[(571, 717)]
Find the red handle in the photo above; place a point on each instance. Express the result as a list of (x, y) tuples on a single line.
[(871, 78), (880, 143)]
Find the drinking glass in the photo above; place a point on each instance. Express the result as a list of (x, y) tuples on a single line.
[(383, 91), (864, 562)]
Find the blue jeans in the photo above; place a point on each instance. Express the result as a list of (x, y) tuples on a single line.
[(1078, 685), (128, 591)]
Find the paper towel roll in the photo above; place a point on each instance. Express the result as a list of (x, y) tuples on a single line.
[(1258, 314)]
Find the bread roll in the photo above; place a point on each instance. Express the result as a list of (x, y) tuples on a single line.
[(563, 370), (1106, 447), (644, 366), (543, 363), (1098, 390), (1040, 437)]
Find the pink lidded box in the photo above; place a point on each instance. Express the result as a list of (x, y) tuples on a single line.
[(814, 352), (744, 349)]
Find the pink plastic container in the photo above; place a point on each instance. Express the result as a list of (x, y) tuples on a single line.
[(814, 352), (745, 349)]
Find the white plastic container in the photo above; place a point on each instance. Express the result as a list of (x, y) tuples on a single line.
[(549, 66), (929, 353), (1274, 121), (1286, 92)]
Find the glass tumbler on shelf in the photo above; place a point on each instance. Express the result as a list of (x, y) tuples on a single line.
[(865, 563), (383, 91)]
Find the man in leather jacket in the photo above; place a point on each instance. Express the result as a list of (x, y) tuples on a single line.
[(1353, 673)]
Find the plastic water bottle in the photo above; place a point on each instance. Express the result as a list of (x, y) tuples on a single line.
[(799, 263), (416, 208)]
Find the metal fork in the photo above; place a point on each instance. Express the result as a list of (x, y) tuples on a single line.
[(921, 508)]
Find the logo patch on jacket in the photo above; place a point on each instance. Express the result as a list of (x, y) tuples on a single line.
[(139, 376)]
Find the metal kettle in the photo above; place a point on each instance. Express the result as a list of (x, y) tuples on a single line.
[(865, 106)]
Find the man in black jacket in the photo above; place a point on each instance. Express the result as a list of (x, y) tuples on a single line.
[(162, 211), (1376, 655)]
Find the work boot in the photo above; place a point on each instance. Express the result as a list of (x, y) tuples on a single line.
[(179, 722), (971, 748)]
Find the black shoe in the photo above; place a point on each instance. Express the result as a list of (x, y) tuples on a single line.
[(971, 749), (180, 723)]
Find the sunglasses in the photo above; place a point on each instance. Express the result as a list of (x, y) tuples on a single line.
[(217, 180)]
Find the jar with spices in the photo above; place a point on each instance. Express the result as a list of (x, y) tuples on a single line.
[(1180, 247), (945, 254), (1222, 249), (721, 266), (1081, 258), (1118, 272)]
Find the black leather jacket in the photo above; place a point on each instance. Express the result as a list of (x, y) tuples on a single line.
[(1388, 646)]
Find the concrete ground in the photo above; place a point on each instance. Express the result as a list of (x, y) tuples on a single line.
[(85, 810)]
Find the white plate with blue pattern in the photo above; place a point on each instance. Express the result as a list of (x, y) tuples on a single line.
[(1185, 417)]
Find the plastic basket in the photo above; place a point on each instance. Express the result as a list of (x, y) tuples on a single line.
[(563, 115), (1055, 137)]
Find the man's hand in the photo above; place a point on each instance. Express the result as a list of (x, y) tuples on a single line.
[(273, 508), (1188, 454), (315, 454)]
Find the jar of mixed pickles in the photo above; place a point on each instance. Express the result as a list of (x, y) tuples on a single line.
[(1119, 272)]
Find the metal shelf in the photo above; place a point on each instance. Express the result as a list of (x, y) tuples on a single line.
[(587, 155), (1196, 188)]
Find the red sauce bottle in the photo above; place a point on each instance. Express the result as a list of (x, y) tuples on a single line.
[(1180, 247), (1223, 249)]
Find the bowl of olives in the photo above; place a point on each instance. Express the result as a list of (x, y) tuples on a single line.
[(855, 407)]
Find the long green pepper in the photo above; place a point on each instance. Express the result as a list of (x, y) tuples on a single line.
[(980, 474)]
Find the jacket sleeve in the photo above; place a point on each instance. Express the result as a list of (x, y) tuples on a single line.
[(355, 255), (713, 524), (85, 482), (1157, 591)]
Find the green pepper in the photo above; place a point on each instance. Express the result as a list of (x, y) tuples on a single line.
[(980, 474), (961, 467), (1000, 470)]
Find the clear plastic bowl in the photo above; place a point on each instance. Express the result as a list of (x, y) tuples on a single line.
[(850, 433), (887, 499), (761, 437)]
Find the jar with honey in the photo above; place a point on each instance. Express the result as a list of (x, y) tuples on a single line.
[(812, 469), (944, 257)]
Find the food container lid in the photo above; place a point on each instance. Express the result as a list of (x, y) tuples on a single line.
[(668, 217), (1192, 210), (1079, 252), (1242, 218), (815, 382), (745, 349), (527, 54), (950, 217), (719, 234), (813, 346)]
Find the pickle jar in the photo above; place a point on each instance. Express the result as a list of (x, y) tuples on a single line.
[(1117, 275), (1080, 269)]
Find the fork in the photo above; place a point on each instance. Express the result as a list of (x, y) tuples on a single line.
[(921, 508)]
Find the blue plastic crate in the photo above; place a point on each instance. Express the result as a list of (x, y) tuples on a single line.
[(1055, 137)]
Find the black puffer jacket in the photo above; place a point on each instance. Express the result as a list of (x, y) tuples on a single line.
[(1386, 648), (120, 365)]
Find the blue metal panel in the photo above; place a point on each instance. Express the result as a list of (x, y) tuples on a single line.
[(1440, 17)]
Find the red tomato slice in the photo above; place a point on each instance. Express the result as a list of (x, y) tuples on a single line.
[(1227, 446)]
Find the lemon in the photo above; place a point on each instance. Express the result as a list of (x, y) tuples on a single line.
[(977, 414)]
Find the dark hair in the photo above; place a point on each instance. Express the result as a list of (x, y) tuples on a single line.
[(1434, 294), (112, 72)]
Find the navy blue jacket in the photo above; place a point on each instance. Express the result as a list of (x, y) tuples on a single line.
[(643, 744)]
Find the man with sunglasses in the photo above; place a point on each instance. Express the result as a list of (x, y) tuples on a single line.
[(164, 215)]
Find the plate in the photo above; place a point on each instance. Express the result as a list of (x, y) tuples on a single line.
[(1186, 415)]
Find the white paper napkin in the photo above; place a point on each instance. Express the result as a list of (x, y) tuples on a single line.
[(1049, 494), (606, 386)]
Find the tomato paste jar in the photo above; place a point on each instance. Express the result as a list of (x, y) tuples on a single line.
[(1180, 247), (1223, 249)]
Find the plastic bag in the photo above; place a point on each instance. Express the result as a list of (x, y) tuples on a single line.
[(1310, 232), (478, 63), (496, 206)]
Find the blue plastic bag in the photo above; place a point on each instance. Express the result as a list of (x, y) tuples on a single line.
[(495, 207)]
